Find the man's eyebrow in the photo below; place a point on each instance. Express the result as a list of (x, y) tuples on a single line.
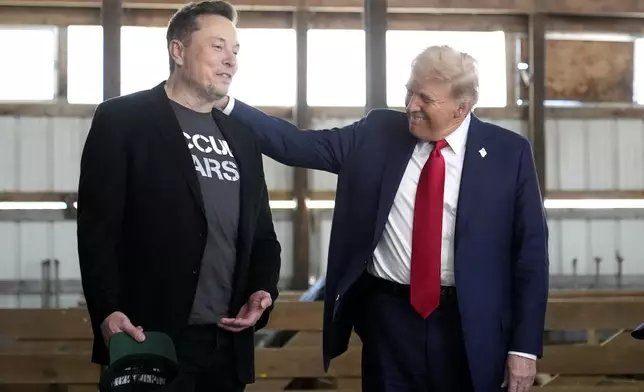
[(423, 95), (218, 38)]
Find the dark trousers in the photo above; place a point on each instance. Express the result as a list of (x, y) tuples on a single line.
[(402, 352), (205, 355)]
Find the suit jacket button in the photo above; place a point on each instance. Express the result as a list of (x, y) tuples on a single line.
[(194, 272)]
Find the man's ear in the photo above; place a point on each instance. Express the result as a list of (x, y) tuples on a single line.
[(462, 109), (176, 50)]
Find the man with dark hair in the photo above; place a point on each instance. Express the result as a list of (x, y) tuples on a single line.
[(175, 232)]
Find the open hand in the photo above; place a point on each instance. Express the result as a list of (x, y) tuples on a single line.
[(119, 322), (249, 313)]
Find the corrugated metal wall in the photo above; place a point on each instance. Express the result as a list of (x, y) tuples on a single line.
[(42, 154)]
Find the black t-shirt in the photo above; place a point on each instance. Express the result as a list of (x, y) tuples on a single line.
[(219, 182)]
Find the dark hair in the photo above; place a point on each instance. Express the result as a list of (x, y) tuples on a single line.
[(184, 22)]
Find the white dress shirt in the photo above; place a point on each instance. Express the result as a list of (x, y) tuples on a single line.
[(392, 257)]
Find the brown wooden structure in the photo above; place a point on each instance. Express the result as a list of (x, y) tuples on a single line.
[(48, 349)]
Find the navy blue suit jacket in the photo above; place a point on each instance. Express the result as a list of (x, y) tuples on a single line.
[(501, 251)]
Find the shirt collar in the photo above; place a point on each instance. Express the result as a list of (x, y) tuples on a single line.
[(457, 139)]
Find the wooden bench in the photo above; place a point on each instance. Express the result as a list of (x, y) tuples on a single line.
[(48, 349)]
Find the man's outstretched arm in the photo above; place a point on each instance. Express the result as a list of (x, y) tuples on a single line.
[(281, 140)]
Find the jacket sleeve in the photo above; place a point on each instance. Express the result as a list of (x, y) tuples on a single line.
[(265, 257), (281, 140), (101, 198), (531, 269)]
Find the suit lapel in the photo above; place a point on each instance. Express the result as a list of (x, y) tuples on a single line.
[(398, 154), (169, 128), (472, 176)]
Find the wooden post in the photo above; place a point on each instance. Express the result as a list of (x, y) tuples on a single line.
[(111, 20)]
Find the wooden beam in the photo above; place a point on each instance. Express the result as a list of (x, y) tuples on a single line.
[(578, 314), (512, 57), (572, 314), (301, 237), (61, 65), (591, 24), (60, 16), (375, 27), (58, 109), (111, 20), (629, 9), (65, 16), (536, 110)]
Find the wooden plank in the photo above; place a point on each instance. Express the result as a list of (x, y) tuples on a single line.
[(589, 24), (537, 95), (45, 324), (305, 362), (301, 220), (608, 313), (48, 368), (592, 360), (626, 8), (57, 109), (47, 388), (581, 7), (111, 21), (574, 360), (158, 17), (61, 16), (375, 27), (65, 16), (46, 346), (563, 314)]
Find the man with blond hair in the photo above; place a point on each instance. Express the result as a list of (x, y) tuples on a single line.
[(438, 255)]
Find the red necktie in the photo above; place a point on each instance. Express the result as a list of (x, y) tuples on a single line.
[(427, 234)]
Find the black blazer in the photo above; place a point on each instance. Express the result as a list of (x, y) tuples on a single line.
[(142, 227)]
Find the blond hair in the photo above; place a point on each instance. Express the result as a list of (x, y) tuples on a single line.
[(446, 64)]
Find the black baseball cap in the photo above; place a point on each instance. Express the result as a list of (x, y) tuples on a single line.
[(146, 366), (638, 333)]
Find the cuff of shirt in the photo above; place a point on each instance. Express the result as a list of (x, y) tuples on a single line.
[(525, 355), (231, 105)]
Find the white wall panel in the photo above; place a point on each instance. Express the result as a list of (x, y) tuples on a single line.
[(278, 177), (8, 153), (24, 245), (581, 239), (42, 154), (597, 154), (514, 125)]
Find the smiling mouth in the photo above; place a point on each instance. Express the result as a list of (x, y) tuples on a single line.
[(226, 75)]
